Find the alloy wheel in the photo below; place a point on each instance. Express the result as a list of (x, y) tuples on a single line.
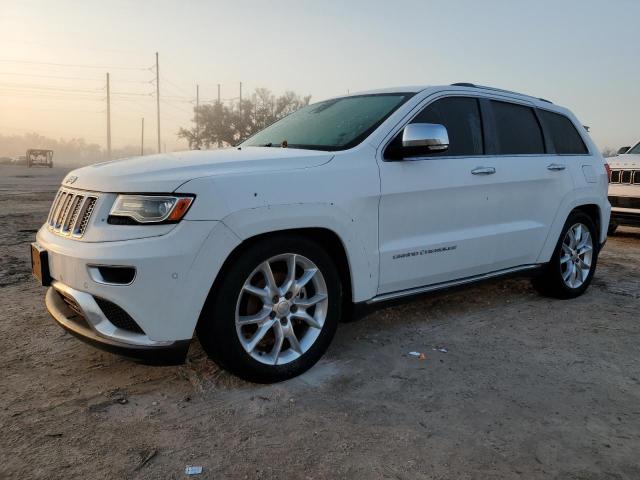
[(577, 255), (281, 309)]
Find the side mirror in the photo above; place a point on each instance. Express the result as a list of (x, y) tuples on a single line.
[(622, 150), (419, 139), (431, 136)]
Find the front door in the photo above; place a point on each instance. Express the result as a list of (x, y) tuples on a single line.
[(439, 214)]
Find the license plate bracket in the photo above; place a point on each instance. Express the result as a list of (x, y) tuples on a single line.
[(40, 264)]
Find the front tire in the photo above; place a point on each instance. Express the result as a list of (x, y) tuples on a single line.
[(573, 264), (274, 311)]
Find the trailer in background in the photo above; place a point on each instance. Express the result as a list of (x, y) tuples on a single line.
[(39, 158)]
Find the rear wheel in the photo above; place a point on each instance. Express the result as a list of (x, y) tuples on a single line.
[(274, 311), (573, 264)]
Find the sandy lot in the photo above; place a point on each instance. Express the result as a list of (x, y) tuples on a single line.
[(529, 387)]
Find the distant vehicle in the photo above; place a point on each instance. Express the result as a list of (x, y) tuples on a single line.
[(365, 198), (39, 158), (624, 188)]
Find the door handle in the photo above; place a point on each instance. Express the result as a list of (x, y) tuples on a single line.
[(483, 171), (556, 166)]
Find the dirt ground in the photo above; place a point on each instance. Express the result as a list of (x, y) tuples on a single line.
[(528, 387)]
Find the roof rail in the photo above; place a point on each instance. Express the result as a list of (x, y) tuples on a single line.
[(473, 85)]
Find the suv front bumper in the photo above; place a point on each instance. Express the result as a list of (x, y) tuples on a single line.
[(77, 313), (155, 314)]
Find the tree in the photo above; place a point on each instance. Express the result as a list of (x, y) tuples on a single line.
[(221, 125)]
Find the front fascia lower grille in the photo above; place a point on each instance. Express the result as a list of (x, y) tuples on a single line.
[(71, 212), (117, 316)]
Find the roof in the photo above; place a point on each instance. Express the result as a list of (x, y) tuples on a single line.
[(461, 85)]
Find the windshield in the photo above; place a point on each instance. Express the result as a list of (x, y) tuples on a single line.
[(635, 149), (335, 124)]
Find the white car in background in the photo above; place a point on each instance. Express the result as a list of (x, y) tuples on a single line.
[(261, 249), (624, 188)]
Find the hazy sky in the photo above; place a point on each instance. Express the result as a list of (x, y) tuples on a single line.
[(581, 54)]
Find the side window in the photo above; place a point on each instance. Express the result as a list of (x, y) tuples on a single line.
[(517, 129), (461, 117), (564, 135)]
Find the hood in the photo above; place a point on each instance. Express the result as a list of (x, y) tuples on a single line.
[(166, 172), (631, 160)]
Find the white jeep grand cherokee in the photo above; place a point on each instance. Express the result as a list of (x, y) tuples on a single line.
[(359, 199), (624, 188)]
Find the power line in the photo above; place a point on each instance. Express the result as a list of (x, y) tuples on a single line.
[(164, 102), (12, 92), (73, 65), (34, 86), (180, 89), (64, 77)]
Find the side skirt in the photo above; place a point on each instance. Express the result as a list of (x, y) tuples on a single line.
[(453, 283)]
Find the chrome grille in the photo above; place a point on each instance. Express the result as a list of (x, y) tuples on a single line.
[(71, 212), (625, 176)]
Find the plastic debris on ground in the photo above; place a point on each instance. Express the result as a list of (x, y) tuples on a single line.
[(442, 349), (421, 356), (193, 470)]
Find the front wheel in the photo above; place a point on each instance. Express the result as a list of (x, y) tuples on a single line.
[(274, 311), (573, 264)]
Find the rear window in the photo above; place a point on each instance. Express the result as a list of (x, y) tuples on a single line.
[(565, 137), (517, 129)]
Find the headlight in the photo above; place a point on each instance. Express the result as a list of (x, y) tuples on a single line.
[(134, 209)]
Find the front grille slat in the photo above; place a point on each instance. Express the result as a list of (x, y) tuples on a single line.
[(71, 212), (85, 217), (54, 206), (66, 211), (56, 214)]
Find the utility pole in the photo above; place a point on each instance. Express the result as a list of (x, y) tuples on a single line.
[(240, 113), (158, 98), (142, 139), (219, 141), (198, 116), (108, 119)]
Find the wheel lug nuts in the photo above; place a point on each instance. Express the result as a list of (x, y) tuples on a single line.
[(288, 295), (294, 308), (272, 315), (283, 321), (275, 299)]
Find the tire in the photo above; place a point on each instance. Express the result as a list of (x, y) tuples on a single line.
[(613, 226), (552, 280), (234, 345)]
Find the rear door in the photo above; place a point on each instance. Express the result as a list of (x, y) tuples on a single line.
[(533, 180)]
